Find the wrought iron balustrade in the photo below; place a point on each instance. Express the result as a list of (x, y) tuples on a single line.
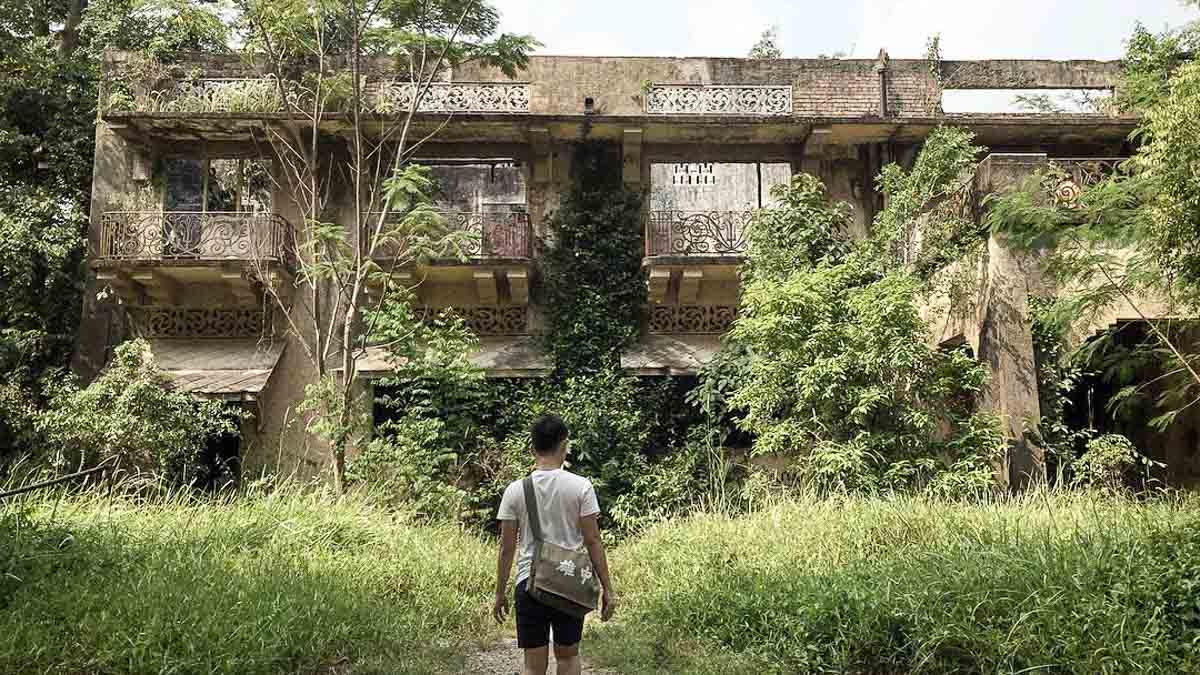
[(718, 99), (190, 235), (697, 233), (497, 234), (1076, 175)]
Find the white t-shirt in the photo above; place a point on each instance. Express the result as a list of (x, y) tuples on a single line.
[(563, 498)]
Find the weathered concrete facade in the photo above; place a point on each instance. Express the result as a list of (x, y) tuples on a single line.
[(704, 138)]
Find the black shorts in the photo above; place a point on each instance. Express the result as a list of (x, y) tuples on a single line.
[(534, 621)]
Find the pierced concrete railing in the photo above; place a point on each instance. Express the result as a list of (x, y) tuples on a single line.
[(718, 99), (265, 95)]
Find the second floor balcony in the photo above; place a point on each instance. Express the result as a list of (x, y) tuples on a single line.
[(504, 235), (173, 258), (185, 237), (699, 234)]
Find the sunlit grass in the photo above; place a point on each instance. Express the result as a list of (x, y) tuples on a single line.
[(1044, 583), (292, 580)]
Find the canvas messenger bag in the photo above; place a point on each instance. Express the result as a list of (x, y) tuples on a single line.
[(558, 577)]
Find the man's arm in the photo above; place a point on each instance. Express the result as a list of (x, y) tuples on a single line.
[(508, 548), (590, 526)]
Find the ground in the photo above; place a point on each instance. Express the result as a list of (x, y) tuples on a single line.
[(504, 658)]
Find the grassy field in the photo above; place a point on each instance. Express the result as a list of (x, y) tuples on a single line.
[(1042, 584), (295, 581), (291, 582)]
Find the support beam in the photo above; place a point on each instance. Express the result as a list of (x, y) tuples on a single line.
[(486, 287), (161, 289), (689, 286), (659, 281), (120, 281), (632, 156), (543, 171), (239, 286), (518, 287)]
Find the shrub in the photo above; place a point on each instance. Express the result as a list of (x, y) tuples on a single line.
[(131, 414)]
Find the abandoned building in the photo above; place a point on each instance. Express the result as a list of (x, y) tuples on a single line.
[(704, 138)]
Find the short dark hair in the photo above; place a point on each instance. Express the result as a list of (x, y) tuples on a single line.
[(548, 432)]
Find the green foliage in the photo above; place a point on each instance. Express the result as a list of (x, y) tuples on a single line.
[(1106, 462), (159, 28), (431, 447), (917, 225), (1149, 62), (840, 376), (767, 47), (1169, 161), (1083, 583), (591, 264), (288, 581), (801, 231), (131, 414)]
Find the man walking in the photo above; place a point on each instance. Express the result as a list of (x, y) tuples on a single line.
[(569, 515)]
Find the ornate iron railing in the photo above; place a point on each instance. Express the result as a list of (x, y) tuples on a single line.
[(1076, 175), (692, 319), (718, 99), (189, 235), (461, 97), (697, 233), (498, 234)]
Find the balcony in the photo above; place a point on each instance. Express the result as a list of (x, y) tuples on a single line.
[(494, 267), (165, 255), (998, 172), (500, 235), (720, 234)]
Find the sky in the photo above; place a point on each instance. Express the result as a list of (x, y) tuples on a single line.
[(969, 29)]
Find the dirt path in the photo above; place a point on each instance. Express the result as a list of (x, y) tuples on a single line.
[(504, 658)]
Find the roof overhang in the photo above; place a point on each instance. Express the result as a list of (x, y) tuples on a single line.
[(517, 356), (663, 355), (226, 369)]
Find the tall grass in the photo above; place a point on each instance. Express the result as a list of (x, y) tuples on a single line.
[(1063, 583), (291, 581)]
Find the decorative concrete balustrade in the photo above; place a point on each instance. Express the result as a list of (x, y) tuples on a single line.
[(182, 236), (697, 233), (497, 234), (266, 95), (718, 99)]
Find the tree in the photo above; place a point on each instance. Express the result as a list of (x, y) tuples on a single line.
[(766, 48), (49, 71), (841, 378), (318, 52)]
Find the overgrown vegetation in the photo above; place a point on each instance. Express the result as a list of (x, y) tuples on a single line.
[(1069, 583), (841, 379), (290, 580)]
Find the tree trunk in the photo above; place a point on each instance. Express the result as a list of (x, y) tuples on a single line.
[(70, 33)]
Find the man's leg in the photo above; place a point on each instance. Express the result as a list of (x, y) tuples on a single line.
[(568, 631), (536, 661), (568, 659), (533, 631)]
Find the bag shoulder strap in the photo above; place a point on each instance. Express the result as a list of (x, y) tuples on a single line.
[(531, 509)]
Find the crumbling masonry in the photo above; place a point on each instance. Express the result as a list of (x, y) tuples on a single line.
[(179, 200)]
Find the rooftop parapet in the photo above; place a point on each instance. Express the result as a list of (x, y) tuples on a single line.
[(608, 86)]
